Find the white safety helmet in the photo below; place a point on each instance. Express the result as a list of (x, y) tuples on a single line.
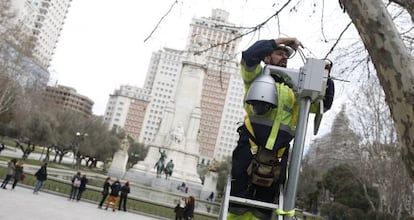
[(291, 52)]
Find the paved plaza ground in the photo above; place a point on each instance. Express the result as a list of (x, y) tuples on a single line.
[(22, 204)]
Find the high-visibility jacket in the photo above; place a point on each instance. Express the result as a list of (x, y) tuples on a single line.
[(283, 117)]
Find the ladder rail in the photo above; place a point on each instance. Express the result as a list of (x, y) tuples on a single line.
[(249, 202), (253, 203), (225, 202)]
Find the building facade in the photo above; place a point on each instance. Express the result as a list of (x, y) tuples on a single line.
[(222, 90), (67, 98), (126, 109), (161, 80), (222, 93), (44, 20)]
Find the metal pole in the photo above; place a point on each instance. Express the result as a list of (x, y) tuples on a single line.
[(73, 160), (296, 157), (226, 200)]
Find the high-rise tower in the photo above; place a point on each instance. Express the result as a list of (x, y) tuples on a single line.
[(222, 89), (44, 19), (178, 130)]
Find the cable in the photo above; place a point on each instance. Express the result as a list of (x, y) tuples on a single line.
[(302, 55)]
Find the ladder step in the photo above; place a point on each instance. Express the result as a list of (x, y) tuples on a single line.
[(255, 203)]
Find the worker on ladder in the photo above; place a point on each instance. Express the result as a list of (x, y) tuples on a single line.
[(268, 128)]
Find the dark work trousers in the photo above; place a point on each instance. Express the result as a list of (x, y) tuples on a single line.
[(123, 201), (104, 195), (15, 183), (73, 192), (241, 158), (79, 196)]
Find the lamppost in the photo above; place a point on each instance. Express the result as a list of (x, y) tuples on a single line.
[(79, 138)]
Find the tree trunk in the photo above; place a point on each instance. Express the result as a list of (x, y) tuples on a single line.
[(394, 66)]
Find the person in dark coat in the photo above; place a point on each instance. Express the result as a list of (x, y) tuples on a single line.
[(82, 187), (113, 196), (18, 174), (210, 197), (125, 190), (11, 168), (75, 184), (189, 208), (2, 147), (41, 176), (105, 191), (179, 209)]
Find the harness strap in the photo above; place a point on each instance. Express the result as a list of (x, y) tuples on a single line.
[(276, 122), (252, 139), (289, 213)]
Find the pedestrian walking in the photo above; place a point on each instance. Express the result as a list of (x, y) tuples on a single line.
[(2, 147), (105, 191), (75, 184), (11, 168), (210, 197), (179, 209), (41, 176), (82, 187), (113, 196), (189, 208), (125, 190), (18, 174)]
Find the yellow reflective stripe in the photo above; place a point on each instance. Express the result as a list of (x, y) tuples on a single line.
[(253, 146), (276, 123), (245, 216), (280, 152), (294, 111), (290, 213), (249, 74)]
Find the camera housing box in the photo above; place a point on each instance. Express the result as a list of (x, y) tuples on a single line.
[(309, 81)]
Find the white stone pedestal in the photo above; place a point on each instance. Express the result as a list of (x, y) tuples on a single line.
[(118, 166)]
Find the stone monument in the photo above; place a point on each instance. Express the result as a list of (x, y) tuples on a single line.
[(119, 161), (178, 131)]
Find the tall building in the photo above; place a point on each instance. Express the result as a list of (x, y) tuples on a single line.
[(67, 98), (222, 94), (44, 19), (162, 77), (222, 90), (221, 104), (126, 109)]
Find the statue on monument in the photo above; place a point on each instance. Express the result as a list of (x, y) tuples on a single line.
[(177, 135), (124, 145), (160, 163), (169, 169)]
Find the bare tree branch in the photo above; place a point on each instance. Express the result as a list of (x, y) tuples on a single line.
[(250, 30), (322, 31), (159, 22), (337, 40)]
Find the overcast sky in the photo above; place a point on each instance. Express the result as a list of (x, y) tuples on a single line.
[(102, 42)]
